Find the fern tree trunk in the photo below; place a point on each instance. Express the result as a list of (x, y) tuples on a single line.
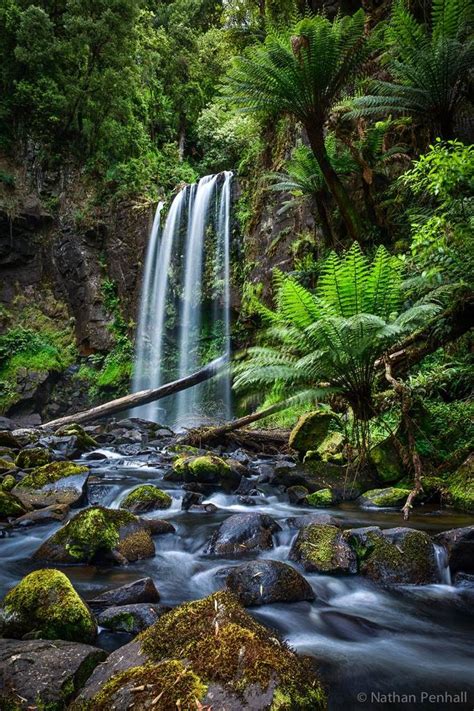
[(346, 206)]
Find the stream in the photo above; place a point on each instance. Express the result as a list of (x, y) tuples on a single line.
[(377, 648)]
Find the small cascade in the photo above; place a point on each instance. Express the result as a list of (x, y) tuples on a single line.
[(184, 316), (441, 556)]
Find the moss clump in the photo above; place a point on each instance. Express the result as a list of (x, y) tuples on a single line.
[(84, 440), (384, 498), (136, 545), (184, 449), (50, 473), (169, 684), (320, 498), (6, 465), (45, 603), (311, 430), (9, 505), (323, 548), (35, 457), (460, 486), (180, 464), (146, 498), (226, 646), (8, 482), (208, 466)]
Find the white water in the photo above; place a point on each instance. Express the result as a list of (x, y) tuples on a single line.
[(174, 271)]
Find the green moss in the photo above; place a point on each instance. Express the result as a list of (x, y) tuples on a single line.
[(183, 449), (137, 545), (460, 486), (386, 460), (35, 457), (317, 544), (180, 463), (146, 497), (9, 505), (8, 482), (50, 473), (311, 430), (208, 465), (381, 498), (45, 603), (93, 531), (6, 465), (84, 440), (323, 497)]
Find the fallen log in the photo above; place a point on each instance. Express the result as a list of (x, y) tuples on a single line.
[(143, 397)]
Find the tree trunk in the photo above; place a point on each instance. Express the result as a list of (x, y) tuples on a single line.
[(347, 209), (143, 397)]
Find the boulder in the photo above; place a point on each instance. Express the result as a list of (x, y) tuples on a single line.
[(143, 590), (55, 483), (8, 439), (330, 450), (386, 460), (50, 514), (383, 498), (311, 430), (261, 582), (459, 544), (99, 534), (6, 465), (313, 475), (146, 498), (45, 605), (394, 556), (83, 440), (205, 469), (208, 653), (158, 526), (322, 498), (10, 506), (44, 674), (297, 494), (323, 549), (130, 618), (321, 519), (461, 486), (33, 457), (8, 482), (191, 498), (242, 534)]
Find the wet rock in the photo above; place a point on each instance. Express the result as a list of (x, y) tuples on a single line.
[(7, 439), (99, 534), (50, 514), (464, 580), (94, 456), (10, 506), (206, 469), (245, 487), (322, 498), (311, 430), (259, 672), (459, 544), (131, 618), (383, 498), (55, 483), (323, 549), (33, 457), (191, 498), (247, 500), (140, 591), (44, 674), (265, 473), (241, 534), (6, 465), (349, 627), (322, 519), (45, 605), (158, 526), (261, 582), (8, 482), (6, 424), (237, 468), (314, 476), (395, 556), (386, 460), (297, 494), (146, 498)]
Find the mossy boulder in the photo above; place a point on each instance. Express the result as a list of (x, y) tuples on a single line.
[(10, 505), (84, 440), (50, 474), (146, 498), (311, 430), (130, 618), (330, 449), (7, 439), (8, 482), (323, 549), (260, 582), (54, 483), (322, 498), (392, 497), (6, 465), (394, 556), (242, 534), (98, 534), (386, 460), (205, 469), (235, 663), (34, 457), (460, 486), (45, 605)]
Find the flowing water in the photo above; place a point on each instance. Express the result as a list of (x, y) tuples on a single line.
[(370, 642), (182, 324)]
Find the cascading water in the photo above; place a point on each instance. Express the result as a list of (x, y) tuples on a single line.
[(181, 324)]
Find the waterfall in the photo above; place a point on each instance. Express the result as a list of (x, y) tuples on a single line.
[(185, 303)]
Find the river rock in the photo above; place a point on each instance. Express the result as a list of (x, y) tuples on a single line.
[(50, 514), (33, 457), (130, 618), (146, 498), (191, 498), (188, 644), (54, 483), (322, 519), (8, 439), (205, 469), (311, 430), (99, 534), (321, 498), (461, 486), (158, 526), (323, 549), (242, 534), (383, 498), (44, 604), (84, 441), (140, 591), (260, 582), (8, 482), (10, 506), (314, 476), (297, 494), (459, 544), (395, 556), (44, 674), (6, 465)]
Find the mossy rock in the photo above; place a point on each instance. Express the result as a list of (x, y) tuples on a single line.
[(45, 605), (84, 440), (330, 449), (460, 487), (99, 534), (10, 506), (323, 549), (386, 460), (6, 465), (50, 473), (392, 497), (205, 469), (322, 498), (311, 430), (8, 440), (34, 457), (146, 498), (394, 556), (8, 482)]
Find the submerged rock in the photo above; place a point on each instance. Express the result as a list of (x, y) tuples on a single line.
[(242, 534), (323, 549), (383, 498), (459, 544), (131, 618), (311, 430), (261, 582), (146, 498), (231, 662), (143, 590), (99, 534), (45, 675), (44, 604)]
